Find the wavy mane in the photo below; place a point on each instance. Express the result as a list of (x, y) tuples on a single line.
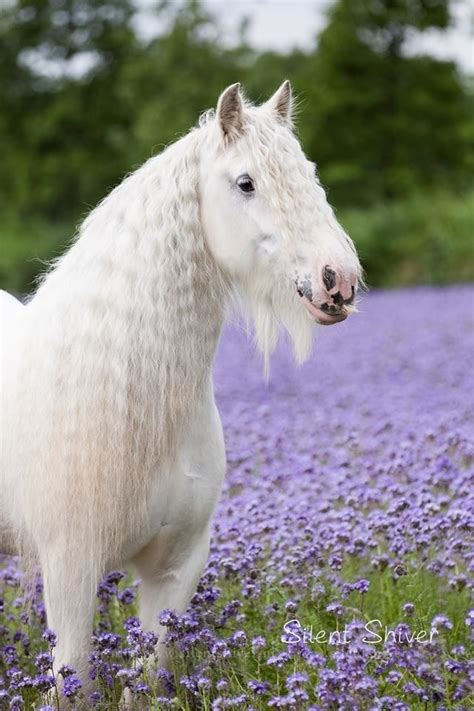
[(125, 326)]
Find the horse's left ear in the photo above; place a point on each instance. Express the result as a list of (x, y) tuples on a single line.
[(281, 103)]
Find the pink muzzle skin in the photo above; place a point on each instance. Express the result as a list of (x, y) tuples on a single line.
[(327, 305), (321, 317)]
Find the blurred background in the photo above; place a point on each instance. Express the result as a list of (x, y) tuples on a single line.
[(91, 88)]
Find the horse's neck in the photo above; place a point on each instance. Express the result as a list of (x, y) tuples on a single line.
[(139, 290)]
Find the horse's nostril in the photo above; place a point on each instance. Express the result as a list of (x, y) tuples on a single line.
[(329, 278), (351, 298), (338, 302), (338, 299)]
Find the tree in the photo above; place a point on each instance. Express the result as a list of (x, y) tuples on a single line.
[(177, 77), (383, 123), (62, 62)]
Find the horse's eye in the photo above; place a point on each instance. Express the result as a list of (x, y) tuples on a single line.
[(245, 183)]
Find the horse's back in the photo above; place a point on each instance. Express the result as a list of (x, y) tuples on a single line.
[(10, 313), (11, 326), (8, 300), (11, 322), (9, 305), (11, 317)]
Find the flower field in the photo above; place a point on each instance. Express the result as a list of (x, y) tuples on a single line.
[(341, 567)]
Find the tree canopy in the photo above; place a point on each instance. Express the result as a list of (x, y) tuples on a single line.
[(84, 98)]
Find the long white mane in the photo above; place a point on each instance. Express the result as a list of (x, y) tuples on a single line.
[(117, 343)]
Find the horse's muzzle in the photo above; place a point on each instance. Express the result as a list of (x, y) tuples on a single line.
[(324, 316), (333, 302)]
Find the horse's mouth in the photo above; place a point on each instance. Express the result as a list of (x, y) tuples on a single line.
[(323, 318)]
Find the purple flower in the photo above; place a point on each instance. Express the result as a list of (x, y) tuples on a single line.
[(238, 639), (66, 670), (9, 654), (335, 608), (204, 683), (361, 586), (441, 622), (139, 687), (50, 637), (258, 643), (43, 682), (296, 679), (278, 660), (43, 661), (258, 687), (71, 686), (127, 596)]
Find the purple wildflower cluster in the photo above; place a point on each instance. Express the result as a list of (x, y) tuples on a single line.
[(340, 574)]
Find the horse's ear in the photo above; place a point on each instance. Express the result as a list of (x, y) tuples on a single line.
[(281, 103), (230, 112)]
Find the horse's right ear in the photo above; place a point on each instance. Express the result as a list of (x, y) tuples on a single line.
[(230, 112)]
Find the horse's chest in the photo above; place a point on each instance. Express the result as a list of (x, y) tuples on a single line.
[(186, 494)]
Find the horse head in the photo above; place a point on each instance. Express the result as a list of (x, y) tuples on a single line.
[(268, 223)]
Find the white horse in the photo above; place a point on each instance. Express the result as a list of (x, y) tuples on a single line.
[(112, 444)]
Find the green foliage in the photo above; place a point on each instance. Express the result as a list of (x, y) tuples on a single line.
[(177, 78), (381, 125), (426, 239), (384, 124), (61, 137), (27, 245)]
